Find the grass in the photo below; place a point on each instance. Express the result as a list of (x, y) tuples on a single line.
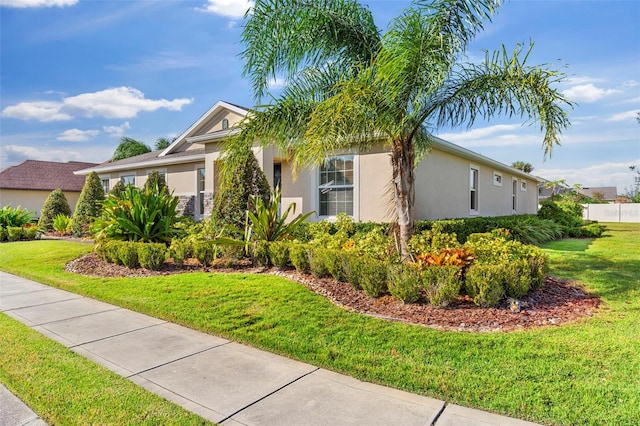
[(582, 373), (67, 389)]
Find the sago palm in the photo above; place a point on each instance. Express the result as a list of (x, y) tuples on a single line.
[(349, 87)]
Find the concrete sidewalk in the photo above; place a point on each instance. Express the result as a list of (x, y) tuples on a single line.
[(220, 380)]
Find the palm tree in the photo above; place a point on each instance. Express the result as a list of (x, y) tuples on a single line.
[(521, 165), (349, 87)]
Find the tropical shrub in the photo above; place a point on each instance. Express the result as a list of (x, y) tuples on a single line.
[(56, 204), (14, 217), (151, 255), (373, 277), (147, 215), (89, 205), (62, 224), (442, 284), (404, 282)]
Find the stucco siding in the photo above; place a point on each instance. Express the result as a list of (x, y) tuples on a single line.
[(374, 188), (33, 200)]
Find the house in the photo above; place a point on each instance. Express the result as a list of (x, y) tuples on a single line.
[(451, 181), (28, 184), (600, 193)]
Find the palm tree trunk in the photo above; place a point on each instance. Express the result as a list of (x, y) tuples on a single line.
[(402, 162)]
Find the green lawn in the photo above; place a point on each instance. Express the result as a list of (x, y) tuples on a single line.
[(582, 373)]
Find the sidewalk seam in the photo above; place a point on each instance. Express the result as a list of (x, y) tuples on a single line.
[(109, 337), (439, 413), (268, 395)]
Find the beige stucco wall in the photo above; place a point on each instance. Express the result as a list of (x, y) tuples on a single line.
[(33, 200)]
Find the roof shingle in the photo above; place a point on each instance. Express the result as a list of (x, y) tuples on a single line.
[(44, 176)]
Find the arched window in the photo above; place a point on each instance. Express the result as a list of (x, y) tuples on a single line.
[(225, 124)]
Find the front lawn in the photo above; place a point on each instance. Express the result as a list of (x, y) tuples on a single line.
[(582, 373)]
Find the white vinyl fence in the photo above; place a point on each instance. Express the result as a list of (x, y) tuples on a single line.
[(612, 212)]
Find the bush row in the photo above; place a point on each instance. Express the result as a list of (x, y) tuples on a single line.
[(16, 233), (133, 254)]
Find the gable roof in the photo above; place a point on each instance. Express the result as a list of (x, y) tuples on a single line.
[(217, 107), (44, 176), (609, 193)]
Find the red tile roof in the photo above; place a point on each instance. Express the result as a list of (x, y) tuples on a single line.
[(44, 176)]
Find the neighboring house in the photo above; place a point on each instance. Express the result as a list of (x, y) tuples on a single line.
[(451, 181), (545, 193), (28, 184), (601, 193)]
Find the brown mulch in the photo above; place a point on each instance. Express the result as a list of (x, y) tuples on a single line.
[(557, 302)]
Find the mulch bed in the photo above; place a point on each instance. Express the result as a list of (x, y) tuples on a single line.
[(557, 302)]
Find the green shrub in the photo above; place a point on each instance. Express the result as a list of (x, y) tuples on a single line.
[(180, 251), (298, 253), (14, 217), (432, 241), (442, 284), (89, 205), (335, 262), (374, 277), (374, 244), (404, 283), (14, 233), (55, 204), (485, 284), (3, 233), (117, 189), (32, 232), (593, 230), (205, 252), (318, 260), (279, 253), (128, 254), (62, 224), (354, 264), (155, 181), (152, 255)]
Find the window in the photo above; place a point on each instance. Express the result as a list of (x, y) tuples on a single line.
[(336, 186), (514, 197), (105, 185), (128, 180), (523, 185), (497, 179), (201, 180), (473, 189), (225, 123)]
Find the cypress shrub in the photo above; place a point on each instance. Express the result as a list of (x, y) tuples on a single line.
[(279, 253), (151, 255), (484, 283), (441, 284), (404, 283), (298, 253), (128, 254), (117, 189), (318, 259), (89, 205), (55, 204), (374, 277), (354, 264)]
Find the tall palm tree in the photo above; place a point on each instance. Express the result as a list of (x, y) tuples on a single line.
[(521, 165), (350, 87)]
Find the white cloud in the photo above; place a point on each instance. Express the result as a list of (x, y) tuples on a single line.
[(39, 110), (583, 80), (277, 83), (605, 174), (624, 116), (118, 102), (77, 135), (588, 93), (228, 8), (481, 132), (37, 3), (117, 131)]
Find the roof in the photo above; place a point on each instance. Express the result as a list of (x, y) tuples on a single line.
[(149, 159), (607, 192), (44, 176)]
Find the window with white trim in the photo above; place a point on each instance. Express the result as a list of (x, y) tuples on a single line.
[(128, 180), (473, 189), (523, 185), (105, 185), (497, 179), (201, 180), (514, 195), (225, 123), (336, 186)]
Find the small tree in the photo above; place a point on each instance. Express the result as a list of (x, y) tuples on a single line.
[(55, 204), (241, 178), (521, 165), (155, 181), (89, 205), (117, 189), (163, 143)]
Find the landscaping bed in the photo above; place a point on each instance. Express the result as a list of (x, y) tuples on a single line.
[(557, 302)]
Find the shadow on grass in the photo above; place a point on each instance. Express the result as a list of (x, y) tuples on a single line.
[(569, 244)]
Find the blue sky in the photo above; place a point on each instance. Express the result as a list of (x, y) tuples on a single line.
[(77, 75)]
